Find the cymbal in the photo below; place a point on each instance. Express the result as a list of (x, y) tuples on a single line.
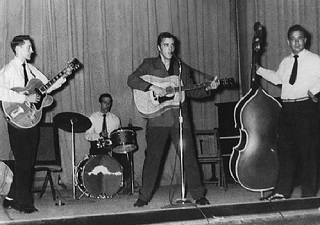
[(65, 120), (135, 128)]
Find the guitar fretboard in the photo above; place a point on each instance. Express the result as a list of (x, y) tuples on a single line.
[(46, 86)]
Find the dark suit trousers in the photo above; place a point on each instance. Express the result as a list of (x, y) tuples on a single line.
[(298, 148), (156, 141), (23, 144)]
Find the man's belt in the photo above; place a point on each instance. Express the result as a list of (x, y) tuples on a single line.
[(295, 100)]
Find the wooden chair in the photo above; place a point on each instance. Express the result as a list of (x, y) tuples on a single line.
[(209, 152), (48, 156)]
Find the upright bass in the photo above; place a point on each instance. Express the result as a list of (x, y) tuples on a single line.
[(254, 161)]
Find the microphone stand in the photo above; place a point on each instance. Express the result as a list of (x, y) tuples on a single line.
[(182, 202)]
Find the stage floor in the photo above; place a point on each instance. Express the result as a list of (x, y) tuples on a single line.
[(234, 204)]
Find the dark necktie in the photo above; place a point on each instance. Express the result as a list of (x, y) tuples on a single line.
[(294, 70), (25, 74), (104, 123)]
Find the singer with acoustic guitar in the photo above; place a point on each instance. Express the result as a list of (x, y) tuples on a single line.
[(23, 141), (165, 123)]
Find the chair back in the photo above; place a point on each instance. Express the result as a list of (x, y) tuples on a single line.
[(48, 147)]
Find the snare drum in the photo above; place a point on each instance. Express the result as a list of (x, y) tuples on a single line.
[(99, 176), (123, 140)]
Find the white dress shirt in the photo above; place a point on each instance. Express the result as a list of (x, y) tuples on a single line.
[(113, 123), (308, 75), (11, 75)]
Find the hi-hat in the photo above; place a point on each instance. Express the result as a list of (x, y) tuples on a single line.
[(65, 120)]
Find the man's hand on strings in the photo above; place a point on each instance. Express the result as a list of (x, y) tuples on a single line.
[(33, 98), (214, 84), (158, 91)]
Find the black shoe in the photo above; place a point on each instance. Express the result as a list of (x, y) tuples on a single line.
[(202, 201), (27, 209), (275, 196), (140, 203), (8, 204)]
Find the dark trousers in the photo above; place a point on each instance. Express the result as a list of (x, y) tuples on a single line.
[(156, 142), (298, 148), (23, 144)]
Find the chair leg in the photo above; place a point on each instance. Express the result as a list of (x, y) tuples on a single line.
[(52, 187), (223, 175), (45, 183)]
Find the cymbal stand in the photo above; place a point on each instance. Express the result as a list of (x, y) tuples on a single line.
[(73, 161), (132, 172)]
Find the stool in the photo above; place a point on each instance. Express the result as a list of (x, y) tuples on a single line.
[(209, 152)]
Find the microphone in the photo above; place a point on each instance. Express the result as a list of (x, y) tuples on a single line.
[(176, 57)]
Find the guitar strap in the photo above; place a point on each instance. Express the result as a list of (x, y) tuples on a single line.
[(207, 76)]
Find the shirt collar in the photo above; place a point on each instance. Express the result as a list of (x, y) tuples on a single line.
[(301, 54), (18, 61), (101, 113)]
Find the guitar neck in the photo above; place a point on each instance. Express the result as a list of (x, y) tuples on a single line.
[(46, 86), (225, 82), (192, 87)]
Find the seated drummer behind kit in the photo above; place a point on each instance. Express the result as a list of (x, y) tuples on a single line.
[(99, 136)]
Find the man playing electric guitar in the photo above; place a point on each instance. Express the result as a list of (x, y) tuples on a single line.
[(23, 142)]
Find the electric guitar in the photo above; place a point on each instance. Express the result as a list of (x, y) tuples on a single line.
[(150, 105), (27, 115)]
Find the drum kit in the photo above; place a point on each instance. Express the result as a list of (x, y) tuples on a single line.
[(98, 176)]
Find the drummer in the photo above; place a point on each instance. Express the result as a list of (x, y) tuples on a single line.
[(103, 123)]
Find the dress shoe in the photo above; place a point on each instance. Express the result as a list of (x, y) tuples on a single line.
[(8, 204), (275, 196), (27, 208), (202, 201), (140, 203)]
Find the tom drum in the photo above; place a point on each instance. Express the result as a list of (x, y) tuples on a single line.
[(123, 140)]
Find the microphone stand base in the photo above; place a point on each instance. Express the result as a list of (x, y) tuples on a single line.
[(180, 203)]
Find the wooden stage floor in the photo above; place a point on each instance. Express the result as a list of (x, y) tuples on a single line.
[(233, 206)]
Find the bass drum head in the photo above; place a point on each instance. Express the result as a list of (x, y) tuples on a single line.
[(99, 176)]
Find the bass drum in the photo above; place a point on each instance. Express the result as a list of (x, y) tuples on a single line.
[(123, 141), (99, 176)]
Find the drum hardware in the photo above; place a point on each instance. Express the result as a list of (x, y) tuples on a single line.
[(123, 140), (102, 143), (74, 123)]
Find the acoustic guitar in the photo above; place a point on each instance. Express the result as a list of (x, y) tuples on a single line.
[(150, 105), (26, 115)]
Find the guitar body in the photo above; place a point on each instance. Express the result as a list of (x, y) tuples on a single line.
[(26, 115), (150, 105)]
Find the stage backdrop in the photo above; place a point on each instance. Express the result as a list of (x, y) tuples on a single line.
[(112, 37)]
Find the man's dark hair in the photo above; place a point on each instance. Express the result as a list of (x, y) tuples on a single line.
[(163, 35), (297, 27), (104, 96), (18, 41)]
